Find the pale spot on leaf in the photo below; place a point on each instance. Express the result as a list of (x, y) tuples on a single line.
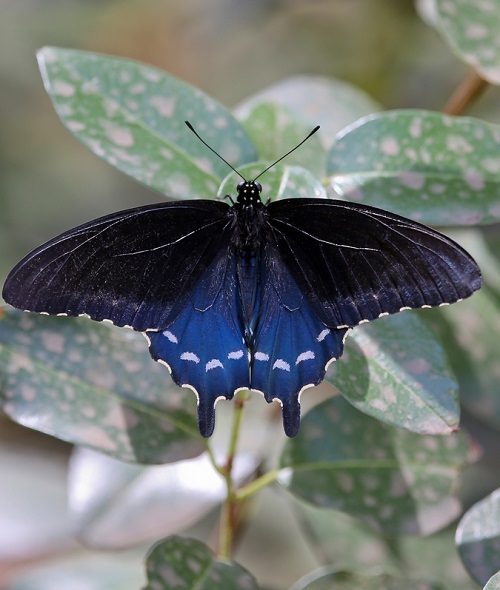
[(165, 106), (390, 146), (121, 136)]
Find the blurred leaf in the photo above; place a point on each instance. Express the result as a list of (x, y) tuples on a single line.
[(318, 100), (493, 583), (281, 182), (431, 167), (275, 130), (395, 370), (439, 554), (329, 578), (33, 517), (132, 116), (85, 571), (341, 539), (115, 505), (472, 345), (471, 30), (478, 538), (189, 564), (94, 385), (427, 10), (396, 481)]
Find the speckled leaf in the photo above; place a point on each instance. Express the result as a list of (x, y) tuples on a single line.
[(114, 505), (281, 182), (478, 538), (472, 31), (318, 100), (275, 130), (332, 578), (187, 564), (132, 116), (396, 481), (433, 168), (96, 386), (395, 370), (470, 335), (493, 582)]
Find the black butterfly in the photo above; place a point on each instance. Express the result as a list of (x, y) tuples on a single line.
[(250, 295)]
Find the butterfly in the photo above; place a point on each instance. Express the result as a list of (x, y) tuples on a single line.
[(246, 294)]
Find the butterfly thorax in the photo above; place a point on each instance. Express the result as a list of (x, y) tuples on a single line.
[(250, 218)]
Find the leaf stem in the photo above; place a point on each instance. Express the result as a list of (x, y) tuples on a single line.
[(257, 484), (469, 90)]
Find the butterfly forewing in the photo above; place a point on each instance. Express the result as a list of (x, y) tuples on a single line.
[(354, 262), (135, 268)]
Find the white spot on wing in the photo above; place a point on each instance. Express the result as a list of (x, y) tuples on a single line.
[(213, 364), (281, 364), (261, 356), (323, 334), (305, 356), (189, 356), (235, 355), (172, 337)]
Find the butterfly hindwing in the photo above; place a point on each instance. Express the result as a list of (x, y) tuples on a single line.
[(204, 347), (355, 262), (291, 347), (135, 268)]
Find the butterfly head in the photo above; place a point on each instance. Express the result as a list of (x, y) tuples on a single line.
[(249, 192)]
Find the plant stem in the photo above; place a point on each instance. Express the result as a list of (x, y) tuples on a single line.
[(229, 515), (470, 89)]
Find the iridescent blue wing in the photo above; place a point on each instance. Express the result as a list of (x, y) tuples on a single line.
[(134, 268), (204, 347), (290, 347), (354, 263)]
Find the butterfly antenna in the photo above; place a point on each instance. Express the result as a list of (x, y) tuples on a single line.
[(288, 153), (212, 149)]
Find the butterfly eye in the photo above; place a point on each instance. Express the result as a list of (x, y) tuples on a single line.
[(258, 186), (240, 185)]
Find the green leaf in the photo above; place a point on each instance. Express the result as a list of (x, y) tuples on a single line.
[(132, 116), (396, 481), (280, 182), (493, 582), (187, 564), (94, 385), (471, 30), (275, 130), (478, 538), (395, 370), (329, 578), (473, 326), (431, 167), (317, 100)]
